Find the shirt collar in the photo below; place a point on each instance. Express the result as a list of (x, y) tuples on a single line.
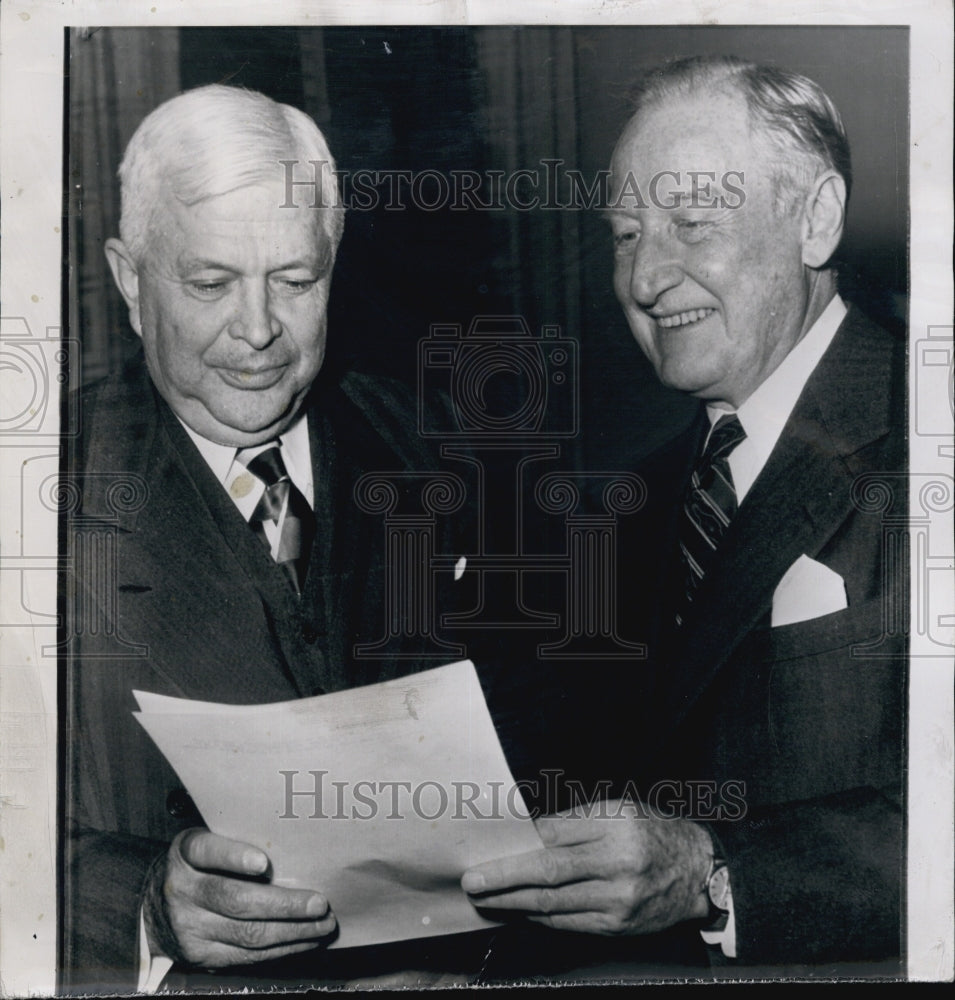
[(765, 412), (295, 454), (217, 456)]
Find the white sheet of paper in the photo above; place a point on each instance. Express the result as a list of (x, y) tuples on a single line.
[(405, 786)]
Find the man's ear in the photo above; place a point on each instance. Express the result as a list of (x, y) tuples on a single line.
[(824, 219), (126, 275)]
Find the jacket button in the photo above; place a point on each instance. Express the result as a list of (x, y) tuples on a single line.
[(309, 633), (179, 804)]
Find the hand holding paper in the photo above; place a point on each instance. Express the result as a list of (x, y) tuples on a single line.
[(378, 798), (603, 871), (197, 914)]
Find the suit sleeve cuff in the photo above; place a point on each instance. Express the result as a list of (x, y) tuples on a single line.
[(152, 968), (725, 938)]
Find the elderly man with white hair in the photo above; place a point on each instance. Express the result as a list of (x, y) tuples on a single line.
[(763, 574), (245, 572)]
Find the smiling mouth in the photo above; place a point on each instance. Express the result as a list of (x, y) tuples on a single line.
[(245, 378), (683, 318)]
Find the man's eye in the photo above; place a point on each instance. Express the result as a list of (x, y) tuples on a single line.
[(208, 289), (623, 241), (295, 286), (693, 229)]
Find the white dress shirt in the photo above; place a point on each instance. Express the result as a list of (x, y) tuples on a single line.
[(245, 489)]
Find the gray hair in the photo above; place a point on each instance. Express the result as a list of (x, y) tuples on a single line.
[(795, 118), (213, 140)]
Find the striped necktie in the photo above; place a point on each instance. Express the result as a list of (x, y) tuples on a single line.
[(298, 525), (709, 505)]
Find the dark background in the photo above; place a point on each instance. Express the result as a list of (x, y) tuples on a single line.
[(486, 98)]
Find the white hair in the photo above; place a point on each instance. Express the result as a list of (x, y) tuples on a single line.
[(794, 117), (213, 140)]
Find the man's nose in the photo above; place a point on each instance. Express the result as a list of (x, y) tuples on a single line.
[(256, 322), (655, 268)]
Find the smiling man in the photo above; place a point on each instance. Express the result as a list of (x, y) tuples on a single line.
[(717, 294), (761, 570), (221, 462)]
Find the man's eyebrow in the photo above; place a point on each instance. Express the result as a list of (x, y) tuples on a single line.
[(187, 264), (608, 213), (694, 199), (320, 262)]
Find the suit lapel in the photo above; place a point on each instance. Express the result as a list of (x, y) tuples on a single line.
[(254, 559), (798, 502), (237, 572), (186, 547)]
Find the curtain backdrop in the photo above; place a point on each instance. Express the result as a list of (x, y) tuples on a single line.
[(115, 78)]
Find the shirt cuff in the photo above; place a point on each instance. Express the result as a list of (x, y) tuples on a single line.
[(152, 968), (725, 938)]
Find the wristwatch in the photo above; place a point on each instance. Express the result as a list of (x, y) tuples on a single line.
[(718, 895)]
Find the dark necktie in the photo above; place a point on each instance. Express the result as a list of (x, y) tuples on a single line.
[(709, 505), (298, 528)]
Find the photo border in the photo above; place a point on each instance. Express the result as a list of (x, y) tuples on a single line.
[(33, 39)]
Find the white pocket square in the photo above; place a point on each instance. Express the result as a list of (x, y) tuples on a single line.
[(807, 590)]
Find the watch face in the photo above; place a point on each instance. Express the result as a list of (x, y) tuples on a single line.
[(719, 888)]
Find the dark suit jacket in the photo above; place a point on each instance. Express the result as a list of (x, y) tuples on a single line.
[(787, 742), (173, 594), (808, 718)]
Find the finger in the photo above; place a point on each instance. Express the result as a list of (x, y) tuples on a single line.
[(577, 897), (585, 923), (551, 866), (209, 852), (567, 829), (262, 935), (584, 823), (218, 956), (237, 898)]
